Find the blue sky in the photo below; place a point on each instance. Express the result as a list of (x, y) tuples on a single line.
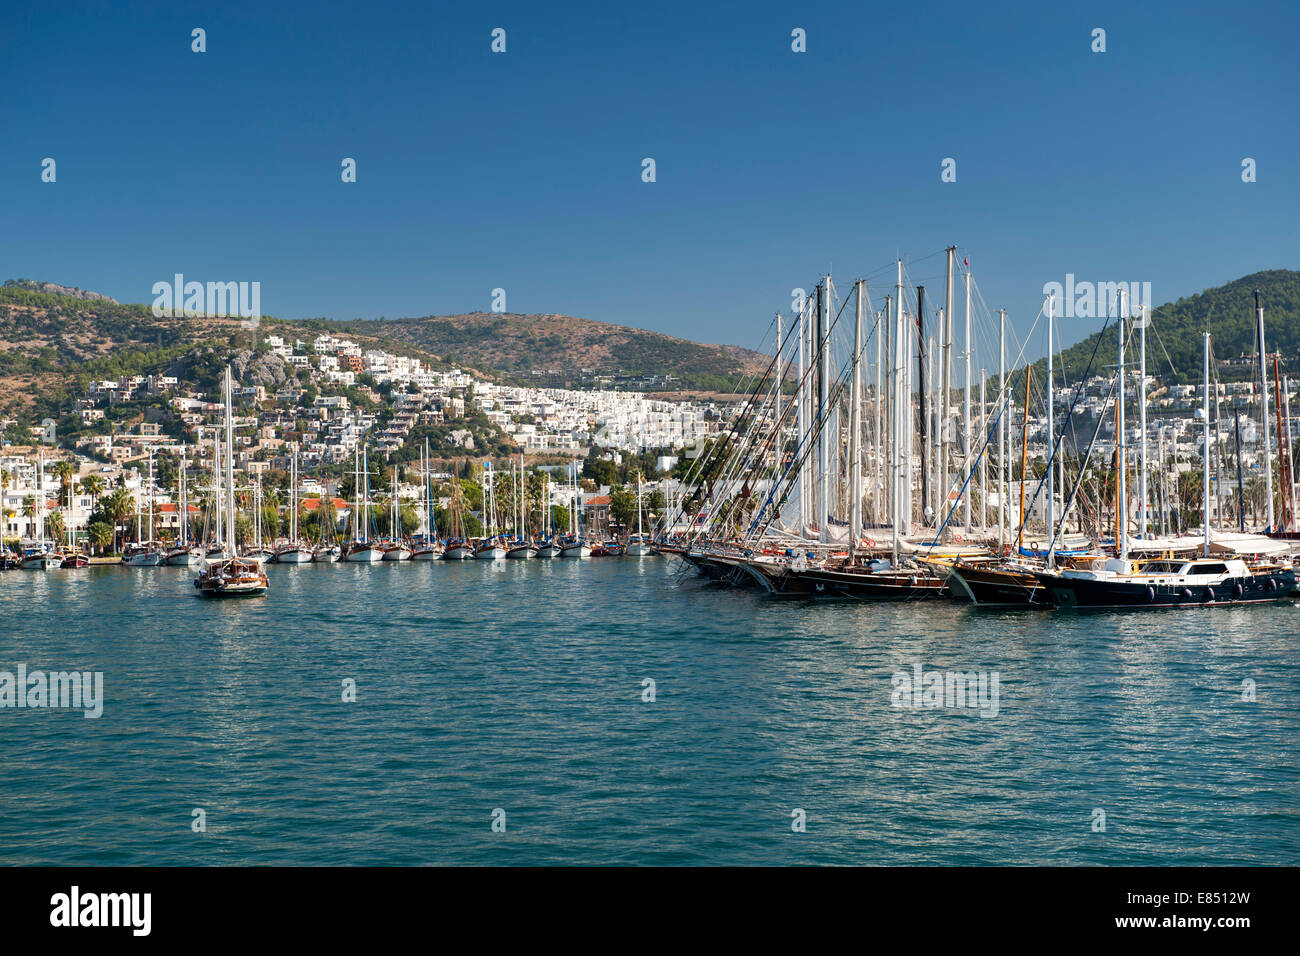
[(523, 170)]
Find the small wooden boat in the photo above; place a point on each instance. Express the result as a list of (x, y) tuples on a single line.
[(234, 577)]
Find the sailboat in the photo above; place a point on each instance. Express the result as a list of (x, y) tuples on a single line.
[(639, 544), (573, 544), (458, 547), (185, 554), (1206, 581), (146, 553), (295, 550), (395, 549), (362, 549), (522, 546), (427, 548), (328, 551), (231, 576), (41, 556), (489, 549), (549, 546)]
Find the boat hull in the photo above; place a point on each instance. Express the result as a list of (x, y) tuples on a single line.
[(997, 587), (365, 554), (1071, 592), (147, 560), (294, 556), (881, 586)]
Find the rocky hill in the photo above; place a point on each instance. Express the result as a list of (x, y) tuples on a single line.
[(558, 350)]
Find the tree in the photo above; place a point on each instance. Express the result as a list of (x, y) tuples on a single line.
[(118, 507), (600, 470), (92, 485), (100, 535), (622, 507)]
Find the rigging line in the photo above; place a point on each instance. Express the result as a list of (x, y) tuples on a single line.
[(1008, 385), (1053, 534), (803, 447), (1047, 474)]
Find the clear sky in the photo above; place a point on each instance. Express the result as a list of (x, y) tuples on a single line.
[(523, 170)]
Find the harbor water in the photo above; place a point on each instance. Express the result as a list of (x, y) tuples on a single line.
[(518, 693)]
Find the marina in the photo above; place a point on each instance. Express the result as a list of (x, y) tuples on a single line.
[(519, 685)]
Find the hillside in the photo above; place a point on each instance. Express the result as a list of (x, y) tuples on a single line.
[(558, 350), (53, 343), (54, 339), (1227, 311)]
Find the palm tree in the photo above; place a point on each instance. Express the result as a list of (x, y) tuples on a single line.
[(119, 506), (100, 534), (54, 525), (92, 485), (64, 470), (1256, 496)]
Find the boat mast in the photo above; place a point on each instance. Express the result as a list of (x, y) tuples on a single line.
[(877, 485), (1263, 383), (1051, 430), (823, 412), (984, 459), (855, 428), (183, 509), (1205, 465), (778, 380), (1142, 421), (1121, 499), (965, 420), (1290, 457), (945, 422), (230, 465), (38, 507), (800, 397), (1003, 429), (921, 402), (219, 524), (151, 528), (1283, 455), (1241, 490), (356, 493), (902, 409)]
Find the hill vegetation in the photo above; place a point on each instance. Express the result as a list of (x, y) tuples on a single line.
[(1226, 311)]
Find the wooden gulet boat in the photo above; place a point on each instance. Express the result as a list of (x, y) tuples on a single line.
[(233, 576)]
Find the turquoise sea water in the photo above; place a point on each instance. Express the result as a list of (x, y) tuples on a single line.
[(518, 685)]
